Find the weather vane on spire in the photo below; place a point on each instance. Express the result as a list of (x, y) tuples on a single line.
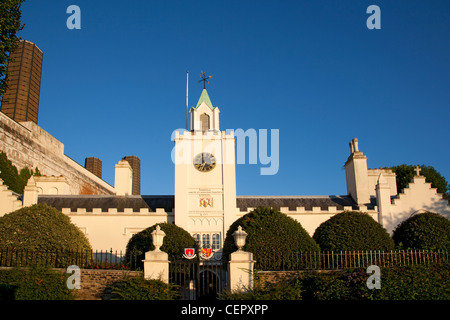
[(205, 79)]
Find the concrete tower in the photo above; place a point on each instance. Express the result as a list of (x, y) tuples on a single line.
[(205, 176)]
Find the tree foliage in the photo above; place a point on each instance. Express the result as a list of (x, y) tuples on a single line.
[(352, 230), (405, 173), (426, 230), (15, 180), (10, 24), (174, 242)]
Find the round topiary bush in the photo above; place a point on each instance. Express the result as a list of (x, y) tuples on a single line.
[(175, 241), (426, 230), (40, 233), (40, 227), (352, 230), (271, 235)]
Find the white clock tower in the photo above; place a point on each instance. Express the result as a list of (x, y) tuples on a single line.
[(205, 176)]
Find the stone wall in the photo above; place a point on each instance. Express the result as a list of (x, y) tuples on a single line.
[(98, 284), (274, 276), (277, 276), (27, 144)]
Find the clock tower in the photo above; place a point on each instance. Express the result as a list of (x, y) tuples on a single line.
[(205, 176)]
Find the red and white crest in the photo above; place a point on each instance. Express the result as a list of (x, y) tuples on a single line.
[(189, 253), (206, 253)]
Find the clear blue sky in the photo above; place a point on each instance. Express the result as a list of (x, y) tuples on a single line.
[(311, 69)]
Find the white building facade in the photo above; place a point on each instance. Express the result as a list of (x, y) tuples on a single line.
[(205, 201)]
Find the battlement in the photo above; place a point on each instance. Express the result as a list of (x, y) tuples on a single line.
[(210, 134), (115, 211), (315, 210)]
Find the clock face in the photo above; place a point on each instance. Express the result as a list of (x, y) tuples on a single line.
[(204, 162)]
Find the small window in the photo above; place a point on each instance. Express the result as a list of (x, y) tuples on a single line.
[(208, 240), (204, 120), (206, 243), (216, 241)]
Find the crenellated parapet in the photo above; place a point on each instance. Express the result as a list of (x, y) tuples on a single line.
[(314, 210), (115, 211)]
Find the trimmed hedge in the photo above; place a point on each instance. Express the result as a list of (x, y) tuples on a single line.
[(282, 290), (140, 289), (37, 282), (352, 230), (269, 233), (417, 282), (174, 242), (426, 230), (40, 228)]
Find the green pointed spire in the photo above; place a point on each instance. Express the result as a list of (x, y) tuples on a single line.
[(204, 98)]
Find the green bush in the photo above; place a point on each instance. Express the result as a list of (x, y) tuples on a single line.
[(326, 286), (270, 233), (282, 290), (39, 233), (175, 241), (137, 288), (37, 282), (352, 230), (15, 180), (426, 230), (416, 282), (7, 291)]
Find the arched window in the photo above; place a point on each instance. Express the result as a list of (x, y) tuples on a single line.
[(204, 120), (206, 242), (216, 241)]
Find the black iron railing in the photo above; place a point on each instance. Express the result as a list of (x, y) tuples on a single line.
[(338, 260), (88, 259)]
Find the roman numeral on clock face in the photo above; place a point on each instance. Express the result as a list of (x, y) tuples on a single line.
[(204, 162)]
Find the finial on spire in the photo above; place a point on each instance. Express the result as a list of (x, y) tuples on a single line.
[(204, 78)]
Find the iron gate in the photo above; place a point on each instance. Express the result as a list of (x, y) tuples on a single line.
[(198, 279)]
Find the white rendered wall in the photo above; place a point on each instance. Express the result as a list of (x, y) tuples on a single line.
[(8, 201), (112, 229), (419, 196)]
